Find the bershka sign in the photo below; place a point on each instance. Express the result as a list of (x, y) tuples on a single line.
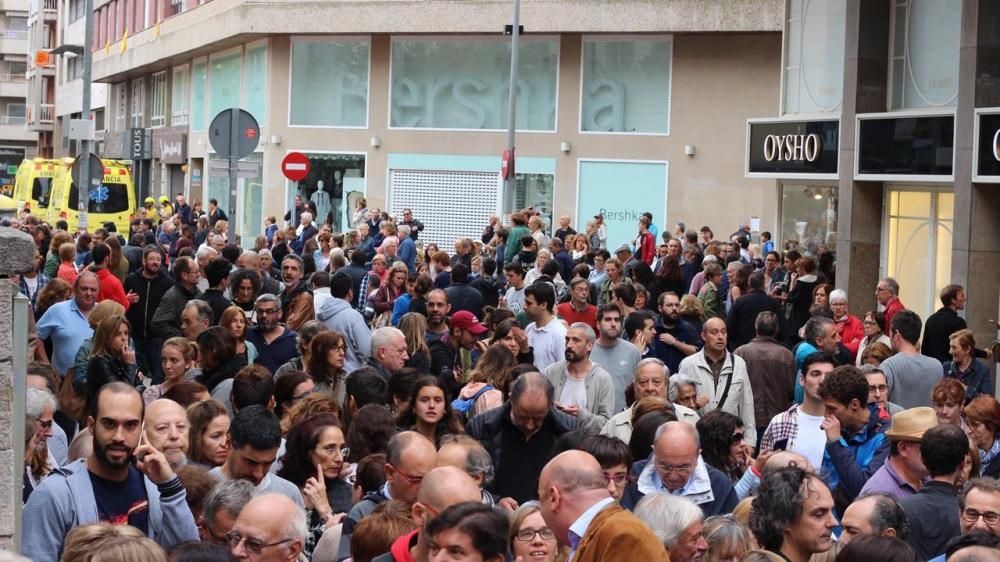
[(788, 149)]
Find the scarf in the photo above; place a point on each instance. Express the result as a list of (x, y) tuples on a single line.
[(988, 456)]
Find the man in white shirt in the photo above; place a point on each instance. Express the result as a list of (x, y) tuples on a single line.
[(546, 334), (798, 429), (514, 297), (582, 388)]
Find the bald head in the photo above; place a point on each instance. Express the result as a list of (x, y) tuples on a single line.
[(574, 471), (976, 554), (167, 430), (781, 459), (272, 518), (446, 486)]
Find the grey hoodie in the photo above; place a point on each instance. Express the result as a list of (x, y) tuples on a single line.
[(337, 315), (65, 499)]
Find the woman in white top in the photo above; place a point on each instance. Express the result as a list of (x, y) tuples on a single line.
[(873, 322)]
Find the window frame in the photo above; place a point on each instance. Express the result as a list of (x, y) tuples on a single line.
[(159, 101), (368, 96)]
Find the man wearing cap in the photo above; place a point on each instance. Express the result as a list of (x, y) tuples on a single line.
[(903, 473), (447, 362)]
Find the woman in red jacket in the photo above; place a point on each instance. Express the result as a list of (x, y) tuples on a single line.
[(850, 328)]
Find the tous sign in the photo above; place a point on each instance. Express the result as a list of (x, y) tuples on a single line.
[(788, 148)]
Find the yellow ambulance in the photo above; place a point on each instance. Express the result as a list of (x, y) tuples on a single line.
[(113, 201), (33, 184)]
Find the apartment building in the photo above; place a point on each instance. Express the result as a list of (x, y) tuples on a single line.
[(16, 141)]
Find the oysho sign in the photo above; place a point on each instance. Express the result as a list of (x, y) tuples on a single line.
[(791, 148)]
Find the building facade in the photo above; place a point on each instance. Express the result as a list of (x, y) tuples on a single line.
[(40, 103), (16, 141)]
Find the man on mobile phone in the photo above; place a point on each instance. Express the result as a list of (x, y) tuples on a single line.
[(125, 481)]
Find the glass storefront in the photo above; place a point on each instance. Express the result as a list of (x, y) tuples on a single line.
[(337, 68), (814, 56), (224, 82), (255, 85), (924, 58), (917, 248), (333, 184), (464, 83), (626, 85), (536, 191), (638, 187), (808, 218)]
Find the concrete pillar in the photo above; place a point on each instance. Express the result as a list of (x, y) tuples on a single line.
[(18, 255), (859, 208)]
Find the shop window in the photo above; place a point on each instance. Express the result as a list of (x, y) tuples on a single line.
[(535, 191), (338, 69), (464, 84), (923, 68), (814, 56), (119, 95), (808, 218), (199, 71), (626, 85), (334, 182), (918, 245), (224, 82), (638, 187), (255, 87), (249, 220)]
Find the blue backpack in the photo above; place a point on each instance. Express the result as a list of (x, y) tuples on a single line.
[(464, 405)]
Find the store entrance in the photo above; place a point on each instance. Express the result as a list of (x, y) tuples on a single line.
[(332, 180)]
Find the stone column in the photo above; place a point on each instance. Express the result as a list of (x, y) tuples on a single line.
[(17, 255)]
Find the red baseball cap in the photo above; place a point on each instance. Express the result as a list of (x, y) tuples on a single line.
[(467, 321)]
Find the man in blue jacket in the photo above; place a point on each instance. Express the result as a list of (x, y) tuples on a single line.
[(856, 445), (107, 487)]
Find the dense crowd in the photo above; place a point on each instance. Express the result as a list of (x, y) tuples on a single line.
[(366, 396)]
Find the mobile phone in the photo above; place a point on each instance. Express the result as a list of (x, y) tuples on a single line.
[(780, 445)]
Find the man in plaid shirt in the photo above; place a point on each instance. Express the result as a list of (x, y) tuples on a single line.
[(798, 428)]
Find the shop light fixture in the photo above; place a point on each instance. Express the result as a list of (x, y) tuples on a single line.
[(689, 149), (565, 147), (376, 142)]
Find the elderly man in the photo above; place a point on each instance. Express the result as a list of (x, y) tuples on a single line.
[(878, 515), (583, 389), (979, 510), (167, 430), (676, 467), (521, 435), (722, 378), (683, 392), (39, 405), (469, 455), (220, 508), (650, 379), (677, 522), (205, 254), (195, 319), (770, 368), (407, 251), (388, 351), (577, 506), (887, 295), (65, 323), (903, 473), (271, 528), (792, 515)]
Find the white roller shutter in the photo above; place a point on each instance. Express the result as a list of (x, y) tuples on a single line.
[(451, 204)]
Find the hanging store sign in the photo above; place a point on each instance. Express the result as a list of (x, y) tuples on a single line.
[(792, 149), (986, 168), (919, 147)]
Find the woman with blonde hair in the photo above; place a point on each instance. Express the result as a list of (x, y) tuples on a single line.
[(488, 380), (414, 327), (52, 258), (235, 320), (104, 542), (581, 249), (177, 357), (728, 539), (111, 358), (529, 534), (691, 310)]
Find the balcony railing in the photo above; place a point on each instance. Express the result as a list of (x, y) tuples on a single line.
[(13, 34), (12, 120), (12, 78), (45, 114)]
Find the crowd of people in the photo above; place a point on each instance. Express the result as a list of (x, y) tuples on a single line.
[(366, 396)]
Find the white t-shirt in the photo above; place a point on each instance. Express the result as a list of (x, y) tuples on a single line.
[(811, 439), (515, 299), (574, 393)]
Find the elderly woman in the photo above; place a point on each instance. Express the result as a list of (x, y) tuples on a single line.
[(849, 327), (982, 423), (974, 374)]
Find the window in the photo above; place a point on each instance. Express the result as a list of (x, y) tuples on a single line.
[(464, 83), (923, 68), (626, 85), (17, 24), (120, 100), (255, 86), (15, 113), (918, 245), (339, 69), (814, 56), (179, 96), (138, 100), (199, 71), (176, 7), (224, 82), (76, 9), (111, 197), (808, 217), (158, 117)]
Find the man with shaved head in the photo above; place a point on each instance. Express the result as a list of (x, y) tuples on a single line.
[(271, 528), (577, 506), (167, 430), (442, 488)]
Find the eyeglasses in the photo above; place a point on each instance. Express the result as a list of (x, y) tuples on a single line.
[(413, 480), (971, 516), (255, 546), (331, 451), (669, 468), (44, 424), (528, 535), (268, 311), (878, 388), (619, 478), (340, 348)]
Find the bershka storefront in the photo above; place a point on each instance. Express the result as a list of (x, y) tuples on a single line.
[(802, 156)]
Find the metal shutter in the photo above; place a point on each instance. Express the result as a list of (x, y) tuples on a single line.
[(450, 204)]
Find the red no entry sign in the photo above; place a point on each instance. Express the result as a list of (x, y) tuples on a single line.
[(295, 166)]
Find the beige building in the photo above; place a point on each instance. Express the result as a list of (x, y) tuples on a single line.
[(16, 141), (623, 107)]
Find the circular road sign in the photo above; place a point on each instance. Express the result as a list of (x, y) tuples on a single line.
[(295, 166)]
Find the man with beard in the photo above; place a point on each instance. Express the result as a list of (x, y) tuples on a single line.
[(617, 356), (107, 487), (296, 300), (167, 430), (446, 352), (275, 343), (438, 309), (675, 338), (583, 389), (150, 283)]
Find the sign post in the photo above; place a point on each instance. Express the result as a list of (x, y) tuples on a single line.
[(233, 134)]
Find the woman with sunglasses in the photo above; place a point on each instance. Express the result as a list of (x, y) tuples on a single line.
[(530, 539), (721, 435), (314, 457)]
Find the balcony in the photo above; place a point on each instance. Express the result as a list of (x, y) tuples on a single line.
[(13, 86), (48, 8), (41, 116), (13, 129), (13, 42)]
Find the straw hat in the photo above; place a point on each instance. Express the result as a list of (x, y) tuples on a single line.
[(910, 425)]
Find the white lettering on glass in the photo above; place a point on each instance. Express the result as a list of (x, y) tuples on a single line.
[(792, 148)]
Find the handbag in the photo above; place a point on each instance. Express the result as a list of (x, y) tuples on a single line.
[(385, 319)]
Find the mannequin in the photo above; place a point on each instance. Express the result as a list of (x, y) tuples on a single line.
[(322, 201)]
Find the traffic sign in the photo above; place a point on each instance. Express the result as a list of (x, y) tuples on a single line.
[(507, 164), (96, 172), (229, 144), (295, 166)]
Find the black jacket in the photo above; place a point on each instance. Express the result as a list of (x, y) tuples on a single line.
[(463, 297), (490, 289), (487, 428), (227, 370), (743, 316), (103, 369), (445, 362), (167, 318), (357, 274), (150, 291), (219, 303), (939, 327)]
